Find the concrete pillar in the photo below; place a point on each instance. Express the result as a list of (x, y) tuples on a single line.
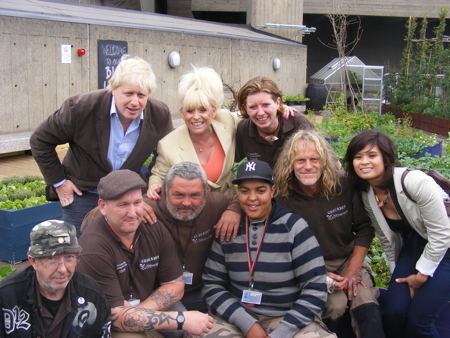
[(276, 11), (148, 5)]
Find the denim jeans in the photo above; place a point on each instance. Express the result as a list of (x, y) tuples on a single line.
[(81, 205), (416, 317)]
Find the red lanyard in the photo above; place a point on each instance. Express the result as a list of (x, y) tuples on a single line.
[(251, 265)]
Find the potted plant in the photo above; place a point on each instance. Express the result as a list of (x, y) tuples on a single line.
[(22, 206), (296, 100)]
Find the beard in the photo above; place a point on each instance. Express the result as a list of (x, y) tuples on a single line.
[(174, 211)]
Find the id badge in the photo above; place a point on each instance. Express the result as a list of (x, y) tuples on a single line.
[(134, 302), (187, 277), (251, 297)]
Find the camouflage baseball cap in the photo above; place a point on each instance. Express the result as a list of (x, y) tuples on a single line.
[(53, 237)]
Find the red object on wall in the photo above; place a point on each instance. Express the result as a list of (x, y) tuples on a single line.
[(81, 51)]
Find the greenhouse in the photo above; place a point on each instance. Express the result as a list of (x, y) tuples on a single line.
[(350, 75)]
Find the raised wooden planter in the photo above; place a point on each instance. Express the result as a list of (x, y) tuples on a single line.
[(428, 123), (15, 228)]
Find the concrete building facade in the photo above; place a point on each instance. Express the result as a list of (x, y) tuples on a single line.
[(34, 81)]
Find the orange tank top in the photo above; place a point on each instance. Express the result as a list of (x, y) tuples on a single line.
[(213, 168)]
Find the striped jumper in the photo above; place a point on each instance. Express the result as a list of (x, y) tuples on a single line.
[(289, 271)]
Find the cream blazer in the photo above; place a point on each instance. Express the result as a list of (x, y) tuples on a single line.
[(177, 147), (427, 217)]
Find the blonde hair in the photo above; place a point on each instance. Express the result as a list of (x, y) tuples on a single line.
[(285, 181), (133, 70), (201, 87)]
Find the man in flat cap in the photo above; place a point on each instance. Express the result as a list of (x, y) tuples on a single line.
[(49, 298), (135, 263)]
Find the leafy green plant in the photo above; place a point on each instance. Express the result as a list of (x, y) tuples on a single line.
[(235, 167), (148, 160), (438, 163), (377, 261), (339, 126), (294, 98), (6, 270), (21, 192)]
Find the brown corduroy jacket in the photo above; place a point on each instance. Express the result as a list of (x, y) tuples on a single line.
[(83, 121)]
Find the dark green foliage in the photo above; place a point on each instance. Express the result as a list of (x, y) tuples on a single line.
[(438, 163), (425, 67), (342, 125)]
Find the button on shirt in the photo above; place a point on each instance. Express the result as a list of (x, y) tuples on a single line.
[(255, 233), (121, 145)]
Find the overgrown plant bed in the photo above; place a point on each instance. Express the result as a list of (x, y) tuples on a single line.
[(427, 123), (339, 126), (22, 206)]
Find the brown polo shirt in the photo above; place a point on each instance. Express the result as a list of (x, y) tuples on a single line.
[(250, 144), (193, 238), (123, 274)]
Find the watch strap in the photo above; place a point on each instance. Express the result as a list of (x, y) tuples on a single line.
[(180, 320)]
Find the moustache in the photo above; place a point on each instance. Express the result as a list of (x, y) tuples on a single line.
[(185, 208)]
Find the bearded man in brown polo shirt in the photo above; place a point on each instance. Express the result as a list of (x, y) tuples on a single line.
[(190, 212)]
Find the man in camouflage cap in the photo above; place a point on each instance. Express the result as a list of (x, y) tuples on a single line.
[(49, 298)]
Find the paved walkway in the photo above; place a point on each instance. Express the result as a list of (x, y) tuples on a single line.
[(23, 164)]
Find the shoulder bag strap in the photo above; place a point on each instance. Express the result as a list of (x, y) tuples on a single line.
[(403, 183)]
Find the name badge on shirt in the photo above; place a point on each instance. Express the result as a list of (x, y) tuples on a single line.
[(134, 302), (251, 297), (187, 277)]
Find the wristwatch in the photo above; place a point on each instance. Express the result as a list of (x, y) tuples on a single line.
[(180, 320)]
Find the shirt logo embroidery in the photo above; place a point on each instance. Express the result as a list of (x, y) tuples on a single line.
[(201, 236), (121, 267), (15, 319), (337, 212), (148, 263), (250, 166)]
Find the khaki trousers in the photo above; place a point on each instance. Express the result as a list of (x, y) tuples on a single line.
[(337, 302), (224, 329), (150, 334)]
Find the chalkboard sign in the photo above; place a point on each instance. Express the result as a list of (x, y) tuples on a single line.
[(109, 54)]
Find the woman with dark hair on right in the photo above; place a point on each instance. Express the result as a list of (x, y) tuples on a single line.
[(414, 232)]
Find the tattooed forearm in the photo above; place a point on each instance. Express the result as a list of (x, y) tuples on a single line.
[(135, 319), (162, 299)]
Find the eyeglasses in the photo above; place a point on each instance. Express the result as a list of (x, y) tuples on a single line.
[(53, 262)]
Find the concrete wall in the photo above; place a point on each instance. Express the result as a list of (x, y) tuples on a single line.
[(220, 5), (180, 8), (392, 8), (34, 82), (276, 11)]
